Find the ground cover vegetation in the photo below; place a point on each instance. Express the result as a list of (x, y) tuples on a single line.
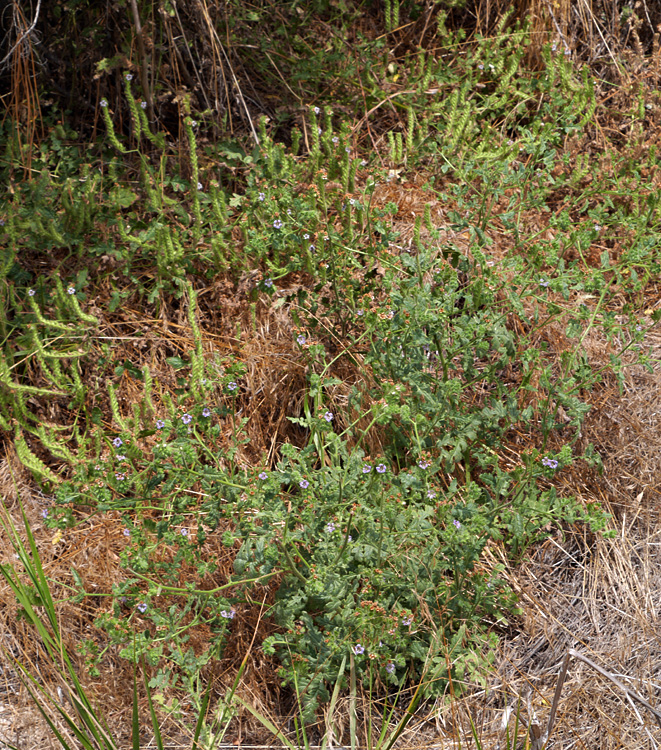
[(292, 354)]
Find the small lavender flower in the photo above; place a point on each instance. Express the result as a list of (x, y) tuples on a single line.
[(360, 312), (330, 528), (227, 615), (126, 532), (120, 476), (184, 532), (206, 412), (328, 416), (381, 468), (424, 464), (366, 469), (550, 462), (349, 538), (480, 66), (304, 484), (232, 386), (300, 339), (358, 649), (544, 282), (335, 139), (187, 418), (456, 523), (390, 668), (268, 283), (347, 149), (639, 328), (352, 201), (103, 103), (117, 442), (277, 224), (317, 110), (263, 475), (311, 248), (199, 186), (407, 620), (261, 196), (44, 513), (597, 228), (193, 123), (120, 457), (31, 292), (71, 290), (431, 494), (129, 76), (160, 424), (142, 607), (306, 236), (143, 104)]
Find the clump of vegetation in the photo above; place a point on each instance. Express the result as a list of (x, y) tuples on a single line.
[(433, 407)]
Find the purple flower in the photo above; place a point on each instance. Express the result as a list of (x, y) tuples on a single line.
[(263, 475), (31, 292), (187, 419), (304, 484), (193, 123), (300, 339), (390, 668), (119, 476), (103, 103), (232, 386), (317, 110), (184, 532), (160, 424), (71, 290), (328, 416), (129, 76), (44, 513), (143, 104), (544, 282), (268, 283), (407, 620), (277, 224), (206, 412), (121, 458), (431, 494), (335, 139), (227, 615), (261, 196), (358, 649), (550, 462), (381, 468), (330, 528), (347, 149), (311, 248), (117, 442), (142, 607), (424, 464), (199, 186), (456, 523), (126, 532), (366, 469), (306, 236)]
